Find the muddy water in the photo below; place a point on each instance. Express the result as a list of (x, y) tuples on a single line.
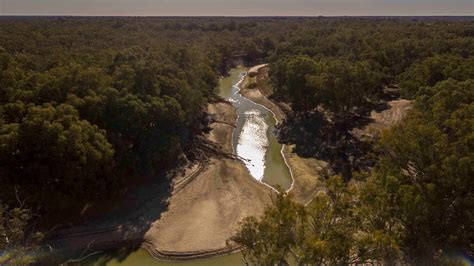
[(253, 140)]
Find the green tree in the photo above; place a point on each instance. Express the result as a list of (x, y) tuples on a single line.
[(301, 95), (434, 69), (270, 240), (326, 235), (339, 86), (51, 149), (18, 240), (252, 52), (323, 233), (424, 177)]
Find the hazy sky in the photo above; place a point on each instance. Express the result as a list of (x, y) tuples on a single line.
[(236, 7)]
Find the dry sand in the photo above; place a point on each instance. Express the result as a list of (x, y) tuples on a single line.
[(206, 212), (396, 111), (203, 210)]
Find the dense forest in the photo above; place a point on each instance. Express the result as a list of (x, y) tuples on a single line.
[(91, 105), (409, 193)]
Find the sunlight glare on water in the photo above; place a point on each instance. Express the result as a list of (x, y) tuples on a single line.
[(253, 142)]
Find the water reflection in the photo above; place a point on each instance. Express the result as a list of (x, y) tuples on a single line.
[(260, 146), (253, 142)]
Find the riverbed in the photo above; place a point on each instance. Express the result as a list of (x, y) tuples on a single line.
[(254, 141)]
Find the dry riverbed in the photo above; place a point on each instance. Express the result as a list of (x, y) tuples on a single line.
[(202, 212), (206, 212)]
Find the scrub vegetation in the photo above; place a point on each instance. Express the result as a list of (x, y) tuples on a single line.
[(91, 106)]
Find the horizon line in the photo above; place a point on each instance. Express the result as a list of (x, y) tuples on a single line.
[(229, 16)]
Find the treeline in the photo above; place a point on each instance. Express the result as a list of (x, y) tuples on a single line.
[(410, 199)]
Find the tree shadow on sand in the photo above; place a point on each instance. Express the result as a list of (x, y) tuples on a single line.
[(330, 139), (117, 233)]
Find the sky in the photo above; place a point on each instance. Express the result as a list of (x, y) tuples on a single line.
[(237, 7)]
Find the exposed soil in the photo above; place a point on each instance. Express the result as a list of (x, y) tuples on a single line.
[(207, 211), (396, 111)]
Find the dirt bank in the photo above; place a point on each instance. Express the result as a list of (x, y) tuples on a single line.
[(385, 119), (253, 71), (304, 171)]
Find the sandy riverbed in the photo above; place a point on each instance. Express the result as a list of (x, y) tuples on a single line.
[(206, 212)]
